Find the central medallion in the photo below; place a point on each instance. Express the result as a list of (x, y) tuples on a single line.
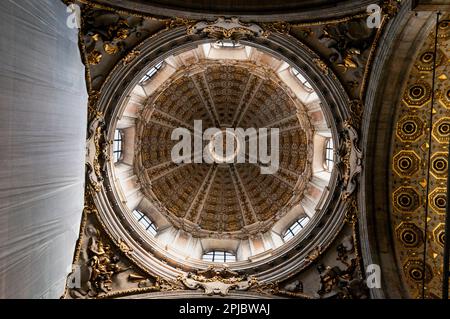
[(224, 146), (224, 149)]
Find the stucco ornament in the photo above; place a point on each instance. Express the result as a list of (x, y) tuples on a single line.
[(217, 281), (349, 164), (224, 28)]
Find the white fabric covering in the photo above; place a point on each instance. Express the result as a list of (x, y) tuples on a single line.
[(43, 103)]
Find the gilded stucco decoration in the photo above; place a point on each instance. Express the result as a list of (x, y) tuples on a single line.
[(346, 45), (343, 281), (419, 165), (103, 266), (349, 161), (217, 281), (96, 152), (224, 28)]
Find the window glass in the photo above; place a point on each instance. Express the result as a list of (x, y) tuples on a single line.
[(117, 146), (151, 73), (302, 79), (227, 44), (295, 228), (145, 222), (219, 256), (329, 155)]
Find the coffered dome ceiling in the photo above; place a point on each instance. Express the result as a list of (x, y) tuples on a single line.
[(234, 197), (223, 204)]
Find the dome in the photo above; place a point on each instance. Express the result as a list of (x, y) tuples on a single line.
[(244, 201)]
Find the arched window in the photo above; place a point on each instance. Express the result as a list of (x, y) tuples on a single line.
[(219, 256), (329, 155), (295, 228), (302, 79), (145, 222), (151, 72), (227, 44), (117, 146)]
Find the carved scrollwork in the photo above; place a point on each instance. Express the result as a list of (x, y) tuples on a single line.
[(279, 27), (356, 108), (322, 66), (104, 265), (220, 281), (314, 254), (97, 152), (349, 163), (351, 214), (347, 41), (101, 266), (217, 281), (94, 97), (105, 29), (133, 54), (179, 22), (390, 8), (109, 36), (224, 28), (156, 284)]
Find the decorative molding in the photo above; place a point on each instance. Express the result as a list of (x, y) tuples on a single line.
[(200, 82), (97, 148), (217, 281), (131, 56), (349, 161), (226, 28), (102, 265)]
